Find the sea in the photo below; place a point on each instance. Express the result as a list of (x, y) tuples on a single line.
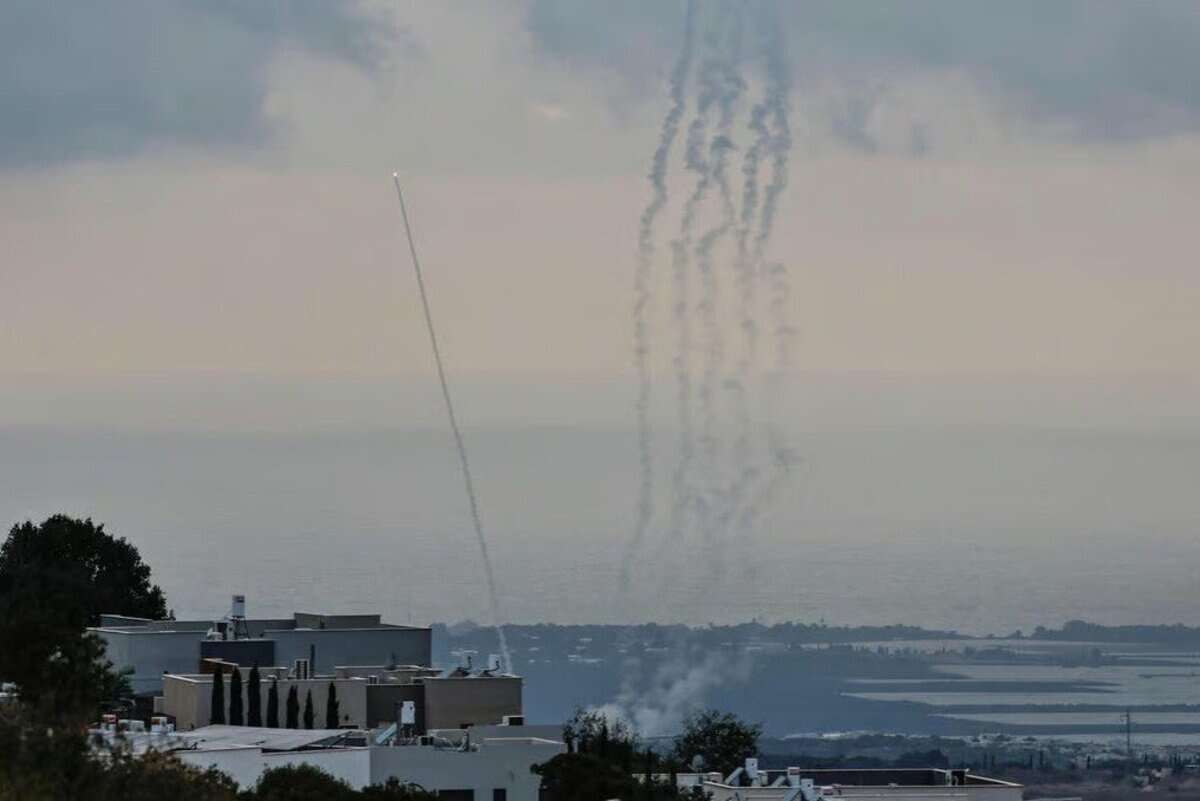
[(974, 528)]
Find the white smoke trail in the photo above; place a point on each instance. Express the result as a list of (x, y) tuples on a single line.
[(778, 145), (745, 470), (642, 292), (468, 482), (696, 161), (730, 87)]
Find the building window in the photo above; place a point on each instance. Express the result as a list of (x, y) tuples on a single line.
[(499, 794), (456, 795)]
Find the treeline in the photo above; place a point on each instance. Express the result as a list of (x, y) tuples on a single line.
[(1082, 631), (253, 715)]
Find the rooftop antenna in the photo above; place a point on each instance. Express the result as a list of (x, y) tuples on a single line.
[(468, 482)]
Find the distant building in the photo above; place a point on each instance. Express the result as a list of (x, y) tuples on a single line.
[(367, 696), (151, 648)]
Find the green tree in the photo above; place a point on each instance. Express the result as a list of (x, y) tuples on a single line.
[(308, 710), (332, 713), (293, 708), (235, 698), (273, 704), (216, 709), (301, 783), (254, 698), (56, 578), (155, 776), (721, 739), (584, 777), (591, 732), (394, 790)]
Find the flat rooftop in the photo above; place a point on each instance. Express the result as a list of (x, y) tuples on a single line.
[(893, 777), (258, 628)]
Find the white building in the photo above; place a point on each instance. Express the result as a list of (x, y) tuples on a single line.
[(493, 763), (884, 784)]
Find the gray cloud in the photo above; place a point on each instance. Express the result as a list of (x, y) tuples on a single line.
[(1099, 69), (102, 80)]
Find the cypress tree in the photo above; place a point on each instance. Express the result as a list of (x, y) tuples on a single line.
[(293, 708), (254, 698), (235, 698), (216, 713), (308, 711), (273, 705), (332, 713)]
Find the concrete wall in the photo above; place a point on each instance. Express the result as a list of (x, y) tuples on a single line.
[(351, 765), (500, 763), (189, 700), (246, 653), (150, 654), (383, 703), (246, 765), (353, 646), (450, 703)]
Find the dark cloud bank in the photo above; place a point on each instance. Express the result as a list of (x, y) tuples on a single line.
[(104, 80)]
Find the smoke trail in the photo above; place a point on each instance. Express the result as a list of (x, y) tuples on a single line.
[(746, 280), (696, 161), (778, 144), (730, 88), (468, 483), (642, 291), (769, 122)]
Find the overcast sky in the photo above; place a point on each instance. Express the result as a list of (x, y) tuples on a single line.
[(977, 189)]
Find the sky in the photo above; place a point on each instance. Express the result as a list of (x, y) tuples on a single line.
[(988, 222), (204, 187)]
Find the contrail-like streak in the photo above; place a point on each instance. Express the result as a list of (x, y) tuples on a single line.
[(731, 86), (643, 279), (696, 161), (746, 278), (468, 482), (778, 145)]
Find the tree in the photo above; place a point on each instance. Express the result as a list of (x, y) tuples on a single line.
[(216, 710), (394, 790), (332, 716), (273, 705), (592, 732), (584, 777), (56, 578), (155, 776), (235, 698), (254, 698), (308, 710), (293, 708), (301, 783), (89, 571), (721, 739), (44, 763)]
